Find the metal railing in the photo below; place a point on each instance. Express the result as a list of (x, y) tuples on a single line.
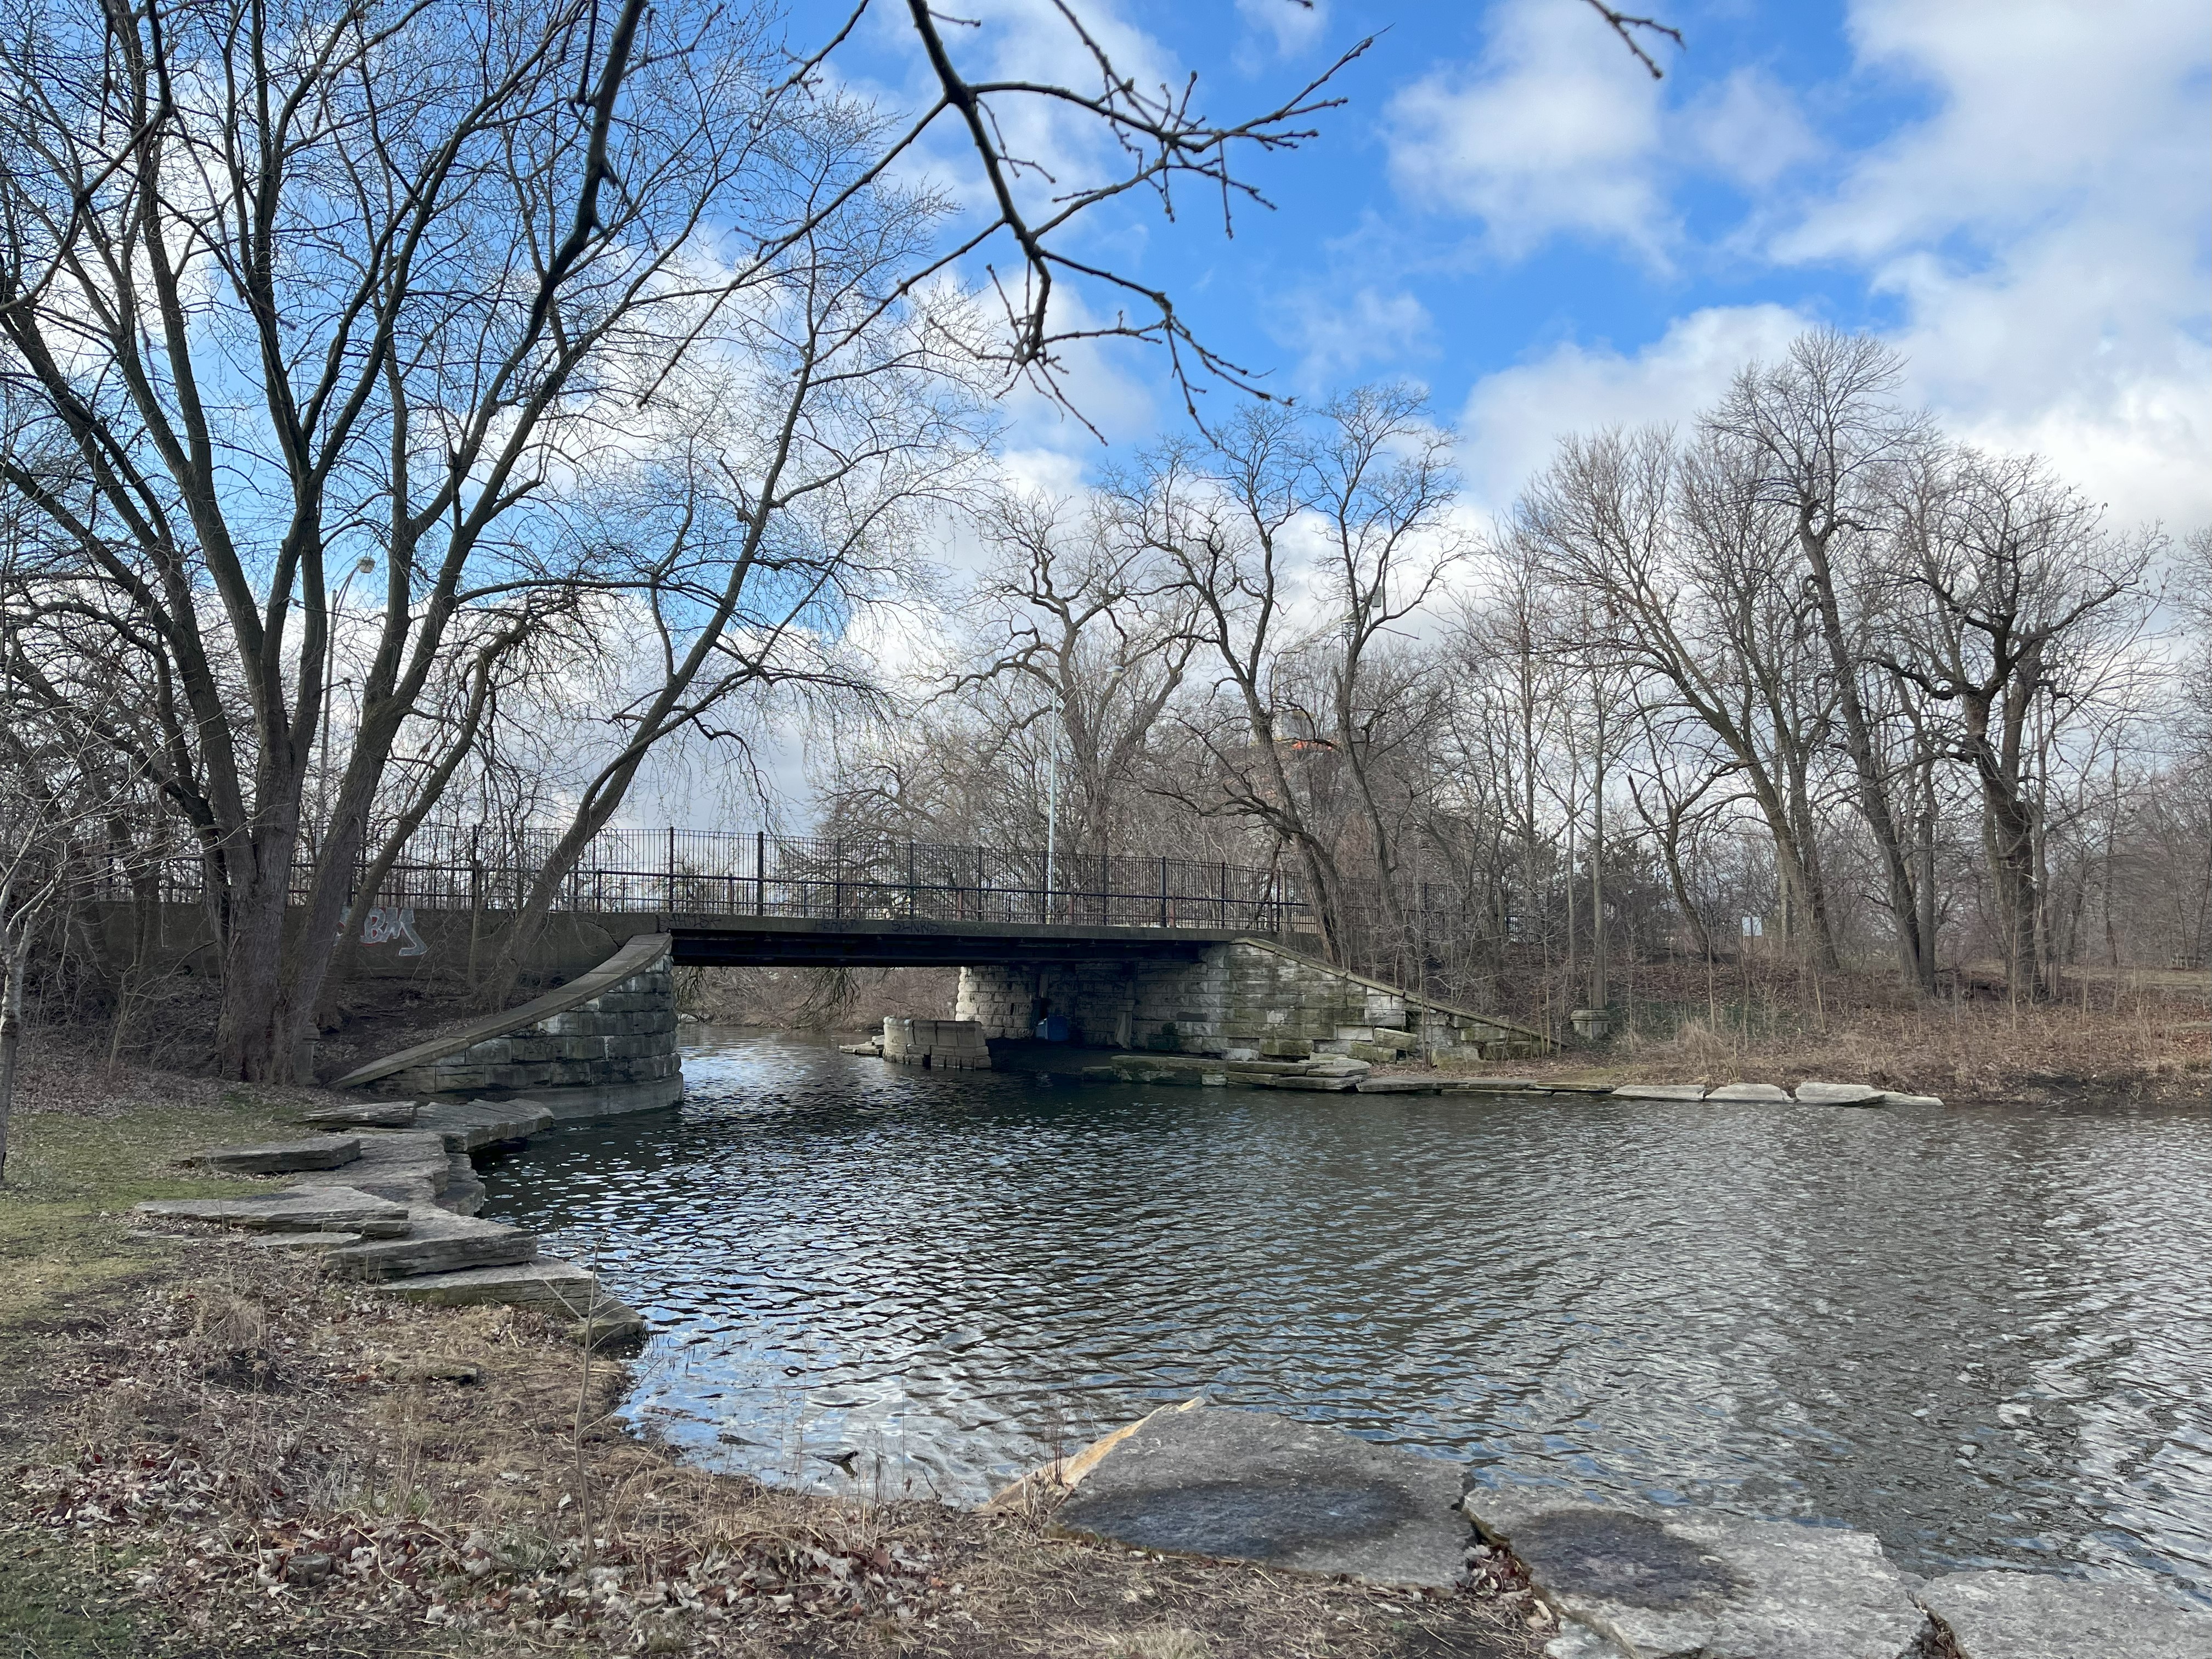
[(706, 873)]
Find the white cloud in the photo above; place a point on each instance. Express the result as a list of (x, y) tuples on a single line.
[(1291, 26), (2042, 107), (1748, 129), (1551, 132), (1338, 335), (1514, 419)]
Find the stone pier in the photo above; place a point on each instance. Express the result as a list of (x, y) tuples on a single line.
[(1246, 999)]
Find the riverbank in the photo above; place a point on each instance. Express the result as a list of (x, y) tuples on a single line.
[(211, 1448), (2151, 1045)]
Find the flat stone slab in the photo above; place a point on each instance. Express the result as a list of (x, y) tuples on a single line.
[(435, 1243), (1659, 1091), (1892, 1098), (1396, 1086), (321, 1209), (368, 1115), (1255, 1487), (1494, 1085), (304, 1241), (283, 1157), (2030, 1615), (1633, 1581), (1751, 1091), (1840, 1094), (1325, 1083), (408, 1167), (559, 1288), (476, 1124)]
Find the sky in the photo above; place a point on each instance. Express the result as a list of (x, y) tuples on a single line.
[(1511, 211)]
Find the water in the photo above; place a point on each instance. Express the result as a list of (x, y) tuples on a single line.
[(1984, 1336)]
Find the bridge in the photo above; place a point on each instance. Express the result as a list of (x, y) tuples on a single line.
[(1152, 952)]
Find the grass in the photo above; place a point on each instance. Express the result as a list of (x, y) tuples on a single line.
[(88, 1142)]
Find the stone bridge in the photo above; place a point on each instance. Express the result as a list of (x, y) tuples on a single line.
[(606, 1040)]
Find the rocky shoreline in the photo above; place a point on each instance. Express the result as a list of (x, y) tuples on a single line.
[(1601, 1578), (387, 1194)]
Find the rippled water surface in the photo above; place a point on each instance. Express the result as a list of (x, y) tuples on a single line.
[(1985, 1335)]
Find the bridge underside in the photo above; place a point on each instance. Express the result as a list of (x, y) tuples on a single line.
[(786, 942)]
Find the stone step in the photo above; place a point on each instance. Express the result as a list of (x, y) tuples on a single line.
[(1995, 1614), (304, 1241), (1685, 1091), (1749, 1091), (367, 1114), (1629, 1580), (435, 1243), (283, 1157), (476, 1124), (465, 1188), (319, 1209), (1494, 1085), (560, 1288), (1335, 1084), (1840, 1094), (408, 1167)]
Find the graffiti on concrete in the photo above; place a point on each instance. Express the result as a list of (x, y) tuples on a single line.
[(386, 924)]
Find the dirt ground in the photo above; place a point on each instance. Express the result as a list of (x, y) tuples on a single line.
[(205, 1448)]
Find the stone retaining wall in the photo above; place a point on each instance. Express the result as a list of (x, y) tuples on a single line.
[(1246, 1000), (589, 1049), (943, 1045)]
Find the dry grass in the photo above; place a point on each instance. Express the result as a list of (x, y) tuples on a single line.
[(2132, 1036)]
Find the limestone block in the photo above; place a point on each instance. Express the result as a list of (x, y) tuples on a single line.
[(434, 1243), (481, 1123), (1892, 1098), (1210, 1480), (408, 1167), (524, 1049), (1840, 1094), (1285, 1048), (319, 1209), (1632, 1580), (2024, 1616), (278, 1157), (1659, 1092), (368, 1115), (1748, 1091), (492, 1051), (579, 1047)]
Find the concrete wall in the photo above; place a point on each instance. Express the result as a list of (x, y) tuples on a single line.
[(1242, 1000), (613, 1052)]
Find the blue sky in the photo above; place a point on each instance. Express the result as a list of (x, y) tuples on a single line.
[(1508, 210)]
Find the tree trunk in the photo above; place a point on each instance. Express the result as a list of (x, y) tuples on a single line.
[(1914, 964)]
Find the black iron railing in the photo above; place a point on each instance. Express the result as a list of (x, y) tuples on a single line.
[(704, 872)]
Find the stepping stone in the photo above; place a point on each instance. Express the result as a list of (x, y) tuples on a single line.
[(303, 1241), (406, 1167), (1397, 1085), (435, 1243), (1893, 1099), (465, 1188), (1493, 1085), (1253, 1486), (317, 1209), (1659, 1092), (2027, 1615), (369, 1114), (1756, 1092), (481, 1123), (283, 1157), (1840, 1094), (1631, 1581), (559, 1288), (1336, 1084)]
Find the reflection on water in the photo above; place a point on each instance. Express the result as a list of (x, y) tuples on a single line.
[(1982, 1334)]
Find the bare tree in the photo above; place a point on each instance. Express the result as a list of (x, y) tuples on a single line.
[(1823, 435), (2013, 578)]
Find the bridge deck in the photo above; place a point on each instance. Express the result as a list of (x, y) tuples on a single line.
[(796, 942)]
